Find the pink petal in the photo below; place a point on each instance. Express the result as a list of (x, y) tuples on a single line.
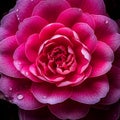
[(4, 33), (49, 30), (83, 59), (8, 21), (50, 9), (17, 92), (30, 26), (22, 64), (69, 110), (71, 80), (104, 26), (69, 33), (47, 93), (87, 18), (32, 47), (90, 6), (86, 35), (24, 8), (114, 76), (112, 97), (25, 100), (112, 40), (114, 81), (92, 91), (102, 59), (70, 16), (7, 47)]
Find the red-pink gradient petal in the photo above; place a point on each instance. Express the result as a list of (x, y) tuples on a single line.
[(69, 110), (7, 47), (90, 6), (22, 64), (86, 35), (112, 97), (47, 93), (30, 26), (25, 100), (17, 92), (32, 47), (48, 31), (88, 19), (114, 76), (114, 81), (112, 40), (50, 9), (102, 59), (24, 8), (8, 21), (106, 28), (4, 33), (92, 91), (69, 17)]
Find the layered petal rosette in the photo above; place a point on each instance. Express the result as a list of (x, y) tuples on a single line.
[(60, 54)]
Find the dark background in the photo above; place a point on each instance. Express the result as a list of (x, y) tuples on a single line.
[(9, 111)]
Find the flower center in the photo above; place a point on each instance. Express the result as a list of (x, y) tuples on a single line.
[(59, 55)]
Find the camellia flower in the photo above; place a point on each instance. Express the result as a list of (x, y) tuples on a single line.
[(60, 54)]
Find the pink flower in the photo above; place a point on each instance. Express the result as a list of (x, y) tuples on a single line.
[(61, 54)]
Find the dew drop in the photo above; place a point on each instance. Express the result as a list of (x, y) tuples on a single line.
[(26, 73), (106, 22), (44, 97), (20, 97), (10, 89), (17, 10)]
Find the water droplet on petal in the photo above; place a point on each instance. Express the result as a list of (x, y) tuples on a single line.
[(17, 10), (20, 97), (10, 89), (106, 22), (44, 97), (26, 73)]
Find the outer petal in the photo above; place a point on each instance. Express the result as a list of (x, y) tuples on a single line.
[(4, 33), (17, 91), (112, 97), (105, 30), (114, 80), (24, 8), (112, 40), (102, 59), (50, 9), (22, 64), (47, 93), (8, 21), (114, 76), (70, 16), (92, 91), (7, 47), (30, 26), (90, 6), (32, 47), (69, 110)]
